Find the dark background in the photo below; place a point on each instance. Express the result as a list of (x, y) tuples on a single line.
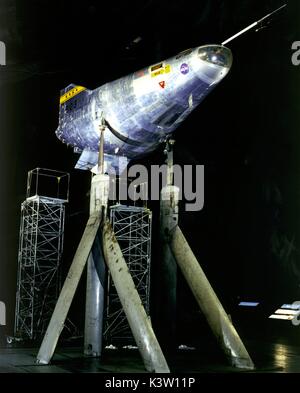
[(246, 133)]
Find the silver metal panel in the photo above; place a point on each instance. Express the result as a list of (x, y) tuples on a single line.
[(96, 272), (94, 307)]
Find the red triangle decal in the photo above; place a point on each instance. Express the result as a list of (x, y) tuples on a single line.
[(162, 84)]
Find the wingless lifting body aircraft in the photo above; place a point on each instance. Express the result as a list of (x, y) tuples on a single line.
[(139, 110)]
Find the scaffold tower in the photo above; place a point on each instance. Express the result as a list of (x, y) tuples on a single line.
[(40, 251), (132, 228)]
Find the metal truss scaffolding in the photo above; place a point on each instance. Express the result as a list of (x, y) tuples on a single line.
[(132, 228), (40, 251)]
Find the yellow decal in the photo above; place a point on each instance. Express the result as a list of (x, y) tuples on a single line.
[(167, 68), (156, 67), (162, 70), (71, 93), (157, 73)]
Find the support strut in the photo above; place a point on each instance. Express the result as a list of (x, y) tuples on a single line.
[(209, 303), (138, 320)]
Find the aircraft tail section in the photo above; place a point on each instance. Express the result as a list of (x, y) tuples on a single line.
[(72, 98)]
